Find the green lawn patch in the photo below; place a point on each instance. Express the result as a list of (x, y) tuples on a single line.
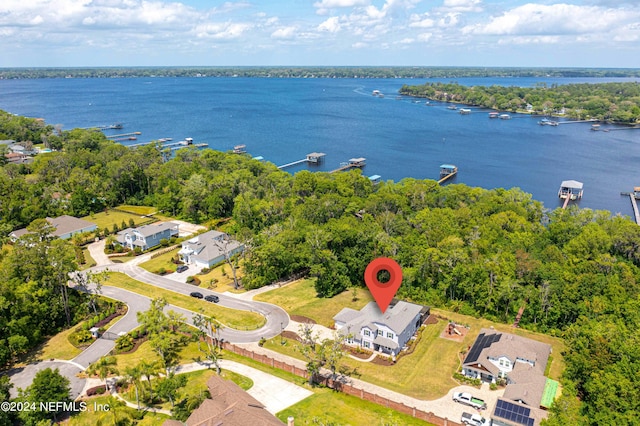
[(330, 407), (162, 261), (138, 210), (110, 217), (299, 298), (233, 318), (91, 417)]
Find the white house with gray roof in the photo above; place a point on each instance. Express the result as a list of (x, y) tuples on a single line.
[(208, 249), (386, 332), (147, 236)]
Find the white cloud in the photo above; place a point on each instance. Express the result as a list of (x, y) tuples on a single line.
[(421, 21), (539, 19), (331, 25), (284, 33), (221, 31), (461, 6), (332, 4), (424, 37)]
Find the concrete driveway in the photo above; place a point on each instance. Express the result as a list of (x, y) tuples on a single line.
[(23, 377)]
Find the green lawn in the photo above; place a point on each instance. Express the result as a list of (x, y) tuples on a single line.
[(139, 210), (233, 318), (162, 261), (109, 218), (557, 344), (91, 417), (299, 298), (439, 357), (330, 407)]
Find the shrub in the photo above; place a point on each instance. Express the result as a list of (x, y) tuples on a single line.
[(262, 341), (164, 242), (83, 336), (98, 390), (124, 342)]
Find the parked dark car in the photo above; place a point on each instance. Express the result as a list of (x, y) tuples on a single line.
[(182, 268), (196, 294), (212, 298)]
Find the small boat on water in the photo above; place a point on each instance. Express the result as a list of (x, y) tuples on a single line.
[(494, 114), (452, 107), (595, 127), (505, 117), (465, 111), (376, 93), (547, 122)]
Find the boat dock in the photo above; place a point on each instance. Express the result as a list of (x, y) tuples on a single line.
[(634, 196), (447, 171), (570, 190), (352, 163), (577, 121), (124, 135), (311, 158)]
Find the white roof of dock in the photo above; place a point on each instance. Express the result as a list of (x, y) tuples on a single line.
[(357, 160), (571, 184)]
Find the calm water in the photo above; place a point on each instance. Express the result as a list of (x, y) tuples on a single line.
[(284, 119)]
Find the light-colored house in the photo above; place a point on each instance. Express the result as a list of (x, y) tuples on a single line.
[(65, 227), (208, 249), (386, 332), (522, 363), (147, 236)]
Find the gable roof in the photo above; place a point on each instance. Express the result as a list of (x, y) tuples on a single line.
[(491, 344), (209, 245), (153, 228), (397, 317), (64, 224), (229, 405)]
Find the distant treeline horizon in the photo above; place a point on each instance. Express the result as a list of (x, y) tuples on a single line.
[(313, 72)]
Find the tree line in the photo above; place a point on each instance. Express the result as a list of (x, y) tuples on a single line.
[(314, 72), (470, 250), (618, 102)]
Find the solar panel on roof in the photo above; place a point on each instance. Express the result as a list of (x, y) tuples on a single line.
[(513, 412), (483, 341)]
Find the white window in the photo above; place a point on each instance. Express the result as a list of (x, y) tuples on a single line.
[(390, 335), (380, 333), (366, 333), (365, 344)]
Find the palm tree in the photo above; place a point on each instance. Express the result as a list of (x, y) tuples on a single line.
[(103, 368), (148, 369), (133, 375)]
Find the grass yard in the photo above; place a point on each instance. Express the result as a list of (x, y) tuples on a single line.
[(330, 407), (109, 218), (240, 320), (162, 261), (299, 298), (427, 372), (88, 260), (139, 210), (57, 347), (91, 417), (557, 344)]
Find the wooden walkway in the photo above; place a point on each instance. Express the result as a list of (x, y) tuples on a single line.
[(284, 166), (566, 202), (445, 178), (634, 204)]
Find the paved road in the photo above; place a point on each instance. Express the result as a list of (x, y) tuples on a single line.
[(277, 318)]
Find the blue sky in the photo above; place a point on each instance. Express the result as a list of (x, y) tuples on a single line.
[(585, 33)]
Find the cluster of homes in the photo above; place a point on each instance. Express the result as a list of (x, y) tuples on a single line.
[(203, 250), (17, 153), (494, 357)]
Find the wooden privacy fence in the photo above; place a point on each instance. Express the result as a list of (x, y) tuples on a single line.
[(342, 387)]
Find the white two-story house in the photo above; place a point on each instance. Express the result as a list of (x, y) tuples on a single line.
[(386, 332), (147, 236)]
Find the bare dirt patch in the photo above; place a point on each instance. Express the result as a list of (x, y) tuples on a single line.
[(449, 333), (304, 320), (291, 335)]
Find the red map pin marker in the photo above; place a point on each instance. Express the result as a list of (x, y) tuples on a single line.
[(383, 292)]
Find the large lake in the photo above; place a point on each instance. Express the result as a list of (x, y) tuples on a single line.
[(284, 119)]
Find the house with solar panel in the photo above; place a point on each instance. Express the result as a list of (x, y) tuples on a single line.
[(386, 332), (521, 363)]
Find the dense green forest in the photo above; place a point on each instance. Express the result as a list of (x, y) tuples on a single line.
[(315, 72), (480, 252), (619, 102)]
